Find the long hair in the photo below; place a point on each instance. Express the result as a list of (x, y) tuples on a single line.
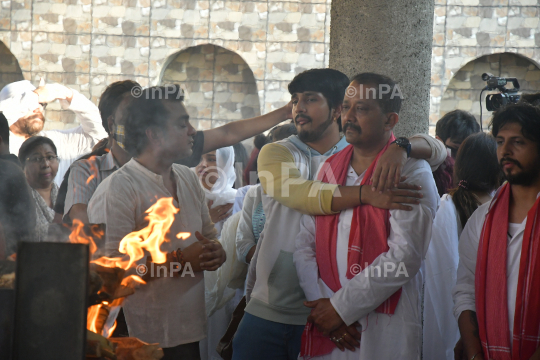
[(476, 170)]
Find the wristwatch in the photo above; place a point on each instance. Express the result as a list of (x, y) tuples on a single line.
[(404, 143)]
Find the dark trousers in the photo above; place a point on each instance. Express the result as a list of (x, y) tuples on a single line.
[(182, 352)]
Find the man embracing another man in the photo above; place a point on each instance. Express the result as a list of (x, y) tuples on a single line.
[(360, 268)]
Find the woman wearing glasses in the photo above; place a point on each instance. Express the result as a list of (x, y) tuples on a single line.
[(39, 159)]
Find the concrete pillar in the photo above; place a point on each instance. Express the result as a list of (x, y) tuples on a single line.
[(390, 37)]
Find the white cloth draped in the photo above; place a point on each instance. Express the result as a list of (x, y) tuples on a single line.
[(441, 331)]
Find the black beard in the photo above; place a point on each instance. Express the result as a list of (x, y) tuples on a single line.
[(524, 178), (315, 135)]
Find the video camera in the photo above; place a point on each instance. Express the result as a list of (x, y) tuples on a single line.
[(506, 96)]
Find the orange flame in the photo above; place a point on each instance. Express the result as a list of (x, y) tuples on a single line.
[(93, 169), (160, 218), (91, 318), (78, 235)]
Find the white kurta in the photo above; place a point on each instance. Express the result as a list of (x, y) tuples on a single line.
[(383, 337), (463, 293), (441, 331)]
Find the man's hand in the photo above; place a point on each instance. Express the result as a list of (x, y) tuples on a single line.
[(395, 198), (220, 212), (387, 173), (346, 337), (324, 316), (213, 255), (50, 92), (459, 352), (287, 111)]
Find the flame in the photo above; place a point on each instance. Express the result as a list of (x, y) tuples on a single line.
[(183, 235), (93, 169), (79, 236), (91, 318), (111, 330), (160, 218)]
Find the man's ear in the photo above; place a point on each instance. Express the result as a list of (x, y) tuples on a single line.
[(391, 120), (154, 135), (337, 112), (110, 123)]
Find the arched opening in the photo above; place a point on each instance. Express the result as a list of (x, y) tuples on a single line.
[(219, 84), (463, 91), (10, 70)]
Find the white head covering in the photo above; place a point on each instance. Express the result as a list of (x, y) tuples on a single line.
[(222, 191), (17, 99)]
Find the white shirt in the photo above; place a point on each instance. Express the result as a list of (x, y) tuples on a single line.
[(464, 291), (398, 336), (72, 143), (168, 311), (441, 331)]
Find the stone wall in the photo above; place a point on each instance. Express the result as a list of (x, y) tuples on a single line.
[(465, 30), (464, 89), (88, 44), (219, 85)]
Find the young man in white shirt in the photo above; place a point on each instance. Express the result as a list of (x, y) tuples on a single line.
[(497, 294), (360, 268), (23, 105), (167, 310)]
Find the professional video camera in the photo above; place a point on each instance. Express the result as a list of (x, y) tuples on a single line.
[(506, 96)]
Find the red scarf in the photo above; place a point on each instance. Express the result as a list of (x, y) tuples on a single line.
[(368, 222), (491, 286)]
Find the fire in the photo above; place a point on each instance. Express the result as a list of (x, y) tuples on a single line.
[(160, 217), (93, 169)]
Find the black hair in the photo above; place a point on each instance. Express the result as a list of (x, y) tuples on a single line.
[(388, 100), (4, 129), (282, 132), (111, 97), (30, 144), (476, 169), (456, 126), (524, 114), (148, 111), (532, 99), (329, 82), (260, 140)]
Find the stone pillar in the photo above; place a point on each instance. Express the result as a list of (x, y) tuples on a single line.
[(389, 37)]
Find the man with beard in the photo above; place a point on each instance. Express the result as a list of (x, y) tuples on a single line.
[(360, 268), (23, 105), (497, 294), (275, 314)]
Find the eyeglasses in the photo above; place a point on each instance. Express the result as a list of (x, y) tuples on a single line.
[(39, 159)]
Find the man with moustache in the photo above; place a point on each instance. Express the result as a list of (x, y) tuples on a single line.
[(497, 294), (360, 268), (23, 105), (275, 315)]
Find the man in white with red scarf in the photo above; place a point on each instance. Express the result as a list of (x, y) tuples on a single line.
[(360, 269), (497, 294)]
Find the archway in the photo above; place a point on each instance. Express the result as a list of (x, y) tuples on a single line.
[(219, 84), (10, 70), (463, 91)]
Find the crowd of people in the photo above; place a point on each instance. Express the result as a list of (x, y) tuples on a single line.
[(345, 242)]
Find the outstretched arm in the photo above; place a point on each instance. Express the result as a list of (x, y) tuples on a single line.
[(236, 131)]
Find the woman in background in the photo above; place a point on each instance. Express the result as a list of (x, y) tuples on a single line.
[(39, 160), (478, 175)]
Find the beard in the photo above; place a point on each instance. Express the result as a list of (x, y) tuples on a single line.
[(525, 177), (308, 136), (33, 124)]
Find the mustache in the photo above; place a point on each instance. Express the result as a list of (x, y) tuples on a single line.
[(503, 160), (302, 116), (352, 126)]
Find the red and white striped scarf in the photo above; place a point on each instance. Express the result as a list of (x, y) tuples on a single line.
[(491, 284), (368, 222)]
